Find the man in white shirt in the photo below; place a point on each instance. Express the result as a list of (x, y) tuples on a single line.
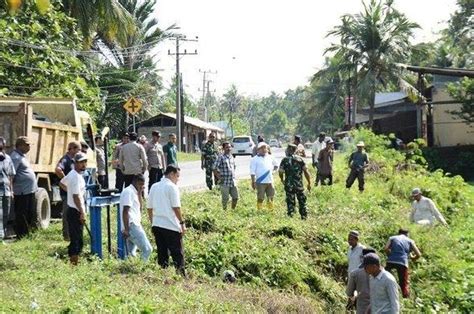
[(318, 146), (424, 211), (354, 253), (131, 219), (164, 212), (75, 186), (261, 172)]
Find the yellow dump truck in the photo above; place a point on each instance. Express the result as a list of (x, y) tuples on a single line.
[(50, 124)]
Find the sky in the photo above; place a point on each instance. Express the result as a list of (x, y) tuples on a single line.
[(267, 45)]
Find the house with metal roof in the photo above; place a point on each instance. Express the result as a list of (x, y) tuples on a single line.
[(394, 113), (194, 134)]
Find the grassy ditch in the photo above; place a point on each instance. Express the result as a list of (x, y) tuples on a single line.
[(282, 264)]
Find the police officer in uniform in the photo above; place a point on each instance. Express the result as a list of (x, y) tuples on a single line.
[(208, 157), (291, 172)]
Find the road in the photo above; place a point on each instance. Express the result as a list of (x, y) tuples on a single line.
[(193, 177)]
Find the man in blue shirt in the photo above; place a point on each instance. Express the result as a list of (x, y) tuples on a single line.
[(358, 161), (398, 249)]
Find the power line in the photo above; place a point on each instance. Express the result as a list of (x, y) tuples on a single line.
[(78, 73), (127, 50)]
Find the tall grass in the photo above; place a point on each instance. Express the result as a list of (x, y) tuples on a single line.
[(282, 264)]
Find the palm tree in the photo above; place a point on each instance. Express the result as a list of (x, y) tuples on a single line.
[(132, 70), (373, 41), (105, 19)]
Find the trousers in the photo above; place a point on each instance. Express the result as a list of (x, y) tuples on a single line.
[(169, 242), (25, 214), (138, 240), (76, 232), (154, 175), (291, 203), (403, 277), (356, 174), (119, 179), (5, 207)]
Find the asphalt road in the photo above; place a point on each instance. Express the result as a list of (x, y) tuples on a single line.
[(193, 177)]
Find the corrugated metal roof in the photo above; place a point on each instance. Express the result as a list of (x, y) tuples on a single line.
[(196, 122), (385, 98)]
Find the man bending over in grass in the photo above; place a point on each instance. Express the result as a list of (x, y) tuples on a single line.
[(398, 249), (131, 219)]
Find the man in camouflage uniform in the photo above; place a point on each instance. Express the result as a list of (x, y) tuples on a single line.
[(291, 172), (208, 157)]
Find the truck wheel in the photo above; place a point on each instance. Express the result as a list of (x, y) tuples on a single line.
[(43, 208)]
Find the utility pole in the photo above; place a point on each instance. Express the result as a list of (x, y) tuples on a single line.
[(179, 105), (205, 83)]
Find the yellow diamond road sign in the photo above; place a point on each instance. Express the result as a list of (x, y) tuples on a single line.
[(133, 105)]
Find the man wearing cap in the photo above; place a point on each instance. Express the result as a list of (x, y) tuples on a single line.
[(156, 159), (100, 160), (383, 287), (208, 158), (224, 170), (354, 253), (318, 145), (399, 249), (133, 159), (24, 187), (291, 172), (261, 173), (300, 151), (358, 161), (75, 185), (325, 158), (65, 165), (358, 281), (171, 151), (116, 162), (424, 210), (7, 172)]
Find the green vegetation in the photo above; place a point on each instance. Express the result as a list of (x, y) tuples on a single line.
[(184, 157), (50, 70), (282, 264)]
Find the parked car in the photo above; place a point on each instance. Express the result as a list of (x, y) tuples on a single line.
[(274, 143), (242, 145)]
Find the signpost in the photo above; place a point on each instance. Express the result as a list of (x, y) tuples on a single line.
[(133, 106)]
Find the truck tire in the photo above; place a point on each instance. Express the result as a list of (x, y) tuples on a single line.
[(43, 208)]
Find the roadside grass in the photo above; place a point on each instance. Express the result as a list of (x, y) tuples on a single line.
[(282, 264), (184, 157)]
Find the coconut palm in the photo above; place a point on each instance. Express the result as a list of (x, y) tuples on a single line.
[(104, 19), (373, 41)]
